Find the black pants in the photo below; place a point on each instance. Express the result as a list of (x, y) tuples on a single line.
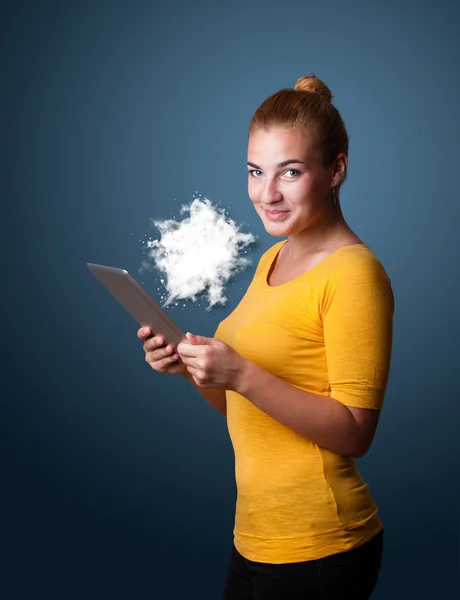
[(348, 575)]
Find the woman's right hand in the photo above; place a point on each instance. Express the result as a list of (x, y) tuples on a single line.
[(160, 357)]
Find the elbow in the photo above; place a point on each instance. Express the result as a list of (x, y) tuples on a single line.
[(359, 450), (354, 453), (359, 453), (358, 445), (351, 451), (360, 440)]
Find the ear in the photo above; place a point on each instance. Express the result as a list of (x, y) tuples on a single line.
[(339, 169)]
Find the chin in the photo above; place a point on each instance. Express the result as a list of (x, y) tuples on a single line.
[(276, 231)]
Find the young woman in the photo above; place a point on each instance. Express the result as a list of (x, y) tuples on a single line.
[(299, 368)]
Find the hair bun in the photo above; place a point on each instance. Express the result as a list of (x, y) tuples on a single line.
[(311, 83)]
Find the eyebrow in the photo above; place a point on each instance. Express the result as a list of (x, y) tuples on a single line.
[(290, 161)]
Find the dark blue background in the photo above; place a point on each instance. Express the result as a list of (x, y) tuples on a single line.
[(118, 481)]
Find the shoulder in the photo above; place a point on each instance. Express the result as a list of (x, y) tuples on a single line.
[(356, 260), (355, 272)]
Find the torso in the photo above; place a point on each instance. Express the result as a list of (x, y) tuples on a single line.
[(283, 271)]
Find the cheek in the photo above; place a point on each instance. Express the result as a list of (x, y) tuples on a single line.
[(252, 190), (305, 194)]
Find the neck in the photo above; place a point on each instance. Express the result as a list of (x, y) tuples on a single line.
[(328, 229)]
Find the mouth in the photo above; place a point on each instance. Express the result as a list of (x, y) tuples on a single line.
[(276, 215)]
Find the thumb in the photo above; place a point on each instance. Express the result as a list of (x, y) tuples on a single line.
[(198, 340)]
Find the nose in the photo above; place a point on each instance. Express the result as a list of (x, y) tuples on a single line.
[(271, 192)]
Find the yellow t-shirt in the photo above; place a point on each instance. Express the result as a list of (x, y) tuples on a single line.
[(329, 332)]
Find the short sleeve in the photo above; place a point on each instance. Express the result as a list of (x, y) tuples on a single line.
[(357, 313)]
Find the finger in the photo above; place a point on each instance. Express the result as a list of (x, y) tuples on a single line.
[(185, 349), (198, 373), (198, 339), (153, 343), (191, 361), (144, 333), (198, 376), (174, 368), (161, 353), (163, 364)]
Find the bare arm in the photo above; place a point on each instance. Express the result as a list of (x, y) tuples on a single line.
[(215, 366), (163, 359), (323, 420), (216, 398), (357, 314)]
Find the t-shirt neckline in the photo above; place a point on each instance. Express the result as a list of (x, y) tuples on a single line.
[(305, 273)]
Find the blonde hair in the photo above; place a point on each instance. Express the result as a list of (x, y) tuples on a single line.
[(307, 106)]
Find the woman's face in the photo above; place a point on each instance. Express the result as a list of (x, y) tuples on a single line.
[(287, 183)]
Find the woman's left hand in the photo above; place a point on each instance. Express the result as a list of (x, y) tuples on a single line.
[(211, 362)]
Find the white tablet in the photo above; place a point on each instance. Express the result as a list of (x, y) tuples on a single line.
[(137, 302)]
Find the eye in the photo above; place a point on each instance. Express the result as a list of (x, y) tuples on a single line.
[(254, 173), (292, 173)]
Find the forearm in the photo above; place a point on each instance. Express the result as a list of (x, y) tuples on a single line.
[(321, 419), (216, 398)]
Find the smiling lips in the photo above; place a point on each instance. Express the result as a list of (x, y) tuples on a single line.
[(276, 215)]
